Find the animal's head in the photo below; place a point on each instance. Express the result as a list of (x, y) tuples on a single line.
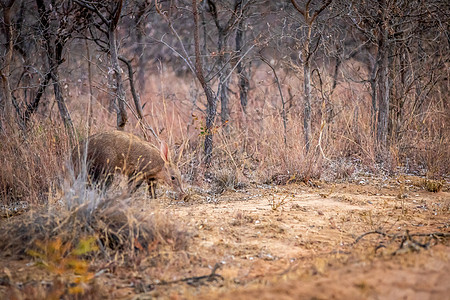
[(171, 174)]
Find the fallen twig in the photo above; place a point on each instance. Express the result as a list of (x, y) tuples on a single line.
[(370, 232), (406, 240), (195, 280)]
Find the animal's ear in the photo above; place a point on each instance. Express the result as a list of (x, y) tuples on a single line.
[(164, 151)]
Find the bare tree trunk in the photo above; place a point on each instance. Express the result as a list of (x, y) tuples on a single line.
[(223, 79), (110, 22), (243, 76), (223, 63), (399, 87), (373, 95), (63, 111), (383, 102), (224, 98), (32, 107), (307, 87), (134, 94), (142, 62), (142, 59), (306, 60), (211, 106), (91, 92), (7, 110), (210, 118), (54, 54), (223, 31), (119, 92), (383, 87), (337, 65), (204, 5)]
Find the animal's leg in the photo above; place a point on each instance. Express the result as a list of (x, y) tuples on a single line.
[(109, 180), (133, 184), (152, 188), (100, 178)]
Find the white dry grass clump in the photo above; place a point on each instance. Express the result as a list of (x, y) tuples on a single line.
[(117, 221)]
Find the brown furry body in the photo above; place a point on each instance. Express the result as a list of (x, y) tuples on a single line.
[(121, 152)]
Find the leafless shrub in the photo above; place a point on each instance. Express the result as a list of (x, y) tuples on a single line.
[(433, 185), (32, 163), (119, 228)]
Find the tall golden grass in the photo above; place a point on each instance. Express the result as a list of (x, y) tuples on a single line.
[(249, 148)]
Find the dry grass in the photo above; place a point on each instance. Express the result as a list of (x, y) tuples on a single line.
[(433, 185), (33, 163), (120, 231), (86, 233), (249, 150)]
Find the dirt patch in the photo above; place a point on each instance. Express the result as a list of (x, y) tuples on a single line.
[(290, 242), (421, 276)]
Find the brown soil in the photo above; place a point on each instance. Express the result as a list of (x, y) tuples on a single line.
[(294, 242)]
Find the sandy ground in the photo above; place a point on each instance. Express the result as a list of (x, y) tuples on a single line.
[(294, 242)]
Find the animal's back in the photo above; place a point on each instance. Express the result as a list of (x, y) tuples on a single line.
[(114, 151)]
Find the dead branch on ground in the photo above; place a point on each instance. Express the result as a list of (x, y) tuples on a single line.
[(407, 241)]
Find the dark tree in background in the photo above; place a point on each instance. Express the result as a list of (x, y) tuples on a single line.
[(310, 15), (233, 15), (210, 97), (6, 105), (56, 34), (242, 68), (105, 17), (396, 33)]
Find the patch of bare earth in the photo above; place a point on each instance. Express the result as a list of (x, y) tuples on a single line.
[(296, 242)]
